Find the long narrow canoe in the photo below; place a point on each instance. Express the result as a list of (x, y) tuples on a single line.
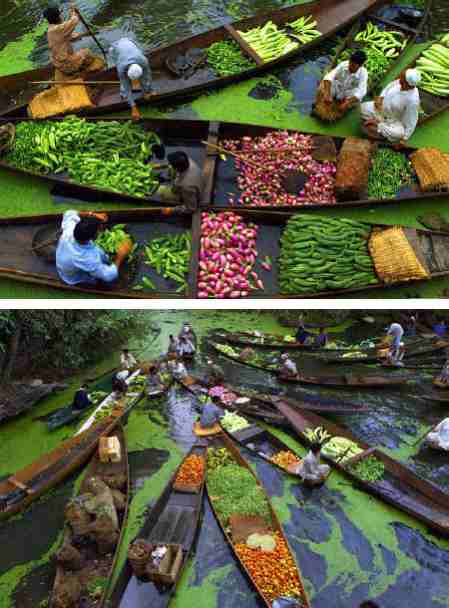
[(411, 35), (410, 353), (224, 442), (23, 487), (220, 175), (96, 565), (399, 487), (331, 16), (19, 261), (344, 381), (23, 398), (266, 340), (174, 518)]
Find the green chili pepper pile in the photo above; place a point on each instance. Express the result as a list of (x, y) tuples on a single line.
[(236, 492), (111, 239), (170, 257), (389, 171), (369, 469), (226, 58), (319, 253), (106, 154)]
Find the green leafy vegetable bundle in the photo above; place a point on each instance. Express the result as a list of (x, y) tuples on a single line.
[(112, 238), (319, 253), (227, 59), (369, 469), (389, 171)]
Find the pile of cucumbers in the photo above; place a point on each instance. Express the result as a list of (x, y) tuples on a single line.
[(320, 253)]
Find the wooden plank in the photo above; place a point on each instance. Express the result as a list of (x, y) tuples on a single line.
[(416, 242), (248, 433), (210, 166), (20, 485), (246, 48), (398, 26), (358, 457), (195, 255)]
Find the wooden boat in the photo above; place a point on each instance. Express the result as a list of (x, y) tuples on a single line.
[(331, 15), (19, 261), (412, 35), (22, 397), (174, 518), (264, 340), (224, 442), (63, 416), (23, 487), (437, 397), (343, 381), (411, 353), (95, 564), (220, 175), (399, 487)]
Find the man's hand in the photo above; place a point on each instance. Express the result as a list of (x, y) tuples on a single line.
[(371, 122), (379, 104), (399, 145), (102, 217), (148, 96), (125, 249), (135, 114)]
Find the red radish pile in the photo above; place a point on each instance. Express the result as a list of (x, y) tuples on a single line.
[(271, 158), (227, 256)]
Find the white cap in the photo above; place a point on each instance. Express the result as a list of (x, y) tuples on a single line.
[(135, 72), (413, 77), (284, 356)]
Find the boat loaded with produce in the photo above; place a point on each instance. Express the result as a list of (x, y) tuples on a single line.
[(372, 470), (251, 526), (216, 58), (265, 362), (95, 522), (412, 352), (159, 554)]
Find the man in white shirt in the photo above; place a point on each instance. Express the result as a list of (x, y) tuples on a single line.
[(394, 115), (397, 350), (127, 360), (343, 87), (288, 367), (310, 468)]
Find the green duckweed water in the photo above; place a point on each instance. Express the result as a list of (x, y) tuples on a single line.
[(349, 546)]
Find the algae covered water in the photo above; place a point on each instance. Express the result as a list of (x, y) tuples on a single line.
[(349, 546)]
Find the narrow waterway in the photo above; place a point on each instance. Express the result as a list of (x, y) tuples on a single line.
[(349, 546)]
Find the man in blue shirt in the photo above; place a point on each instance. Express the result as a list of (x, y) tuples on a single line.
[(131, 65), (78, 259)]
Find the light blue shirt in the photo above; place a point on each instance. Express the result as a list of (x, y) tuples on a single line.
[(123, 54), (78, 263)]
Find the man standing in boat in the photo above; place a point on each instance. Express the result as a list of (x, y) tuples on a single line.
[(394, 115), (342, 88), (78, 259), (288, 367), (60, 35), (132, 66)]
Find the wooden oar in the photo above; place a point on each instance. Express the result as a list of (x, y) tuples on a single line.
[(89, 29), (51, 241), (76, 82), (421, 437), (224, 151)]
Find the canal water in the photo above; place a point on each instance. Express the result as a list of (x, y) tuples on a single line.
[(349, 546)]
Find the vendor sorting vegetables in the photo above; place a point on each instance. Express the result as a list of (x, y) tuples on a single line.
[(186, 183), (185, 348), (288, 367), (132, 65), (187, 332), (397, 349), (177, 368), (344, 87), (394, 115), (211, 414), (81, 399), (78, 259), (310, 469), (60, 36)]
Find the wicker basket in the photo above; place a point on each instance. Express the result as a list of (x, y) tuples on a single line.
[(354, 161), (432, 168), (138, 556), (169, 567), (393, 257)]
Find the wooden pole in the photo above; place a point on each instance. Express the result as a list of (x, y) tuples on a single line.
[(224, 151), (76, 82), (89, 29)]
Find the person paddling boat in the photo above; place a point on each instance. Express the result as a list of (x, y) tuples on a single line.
[(132, 65), (61, 35), (394, 115), (342, 88)]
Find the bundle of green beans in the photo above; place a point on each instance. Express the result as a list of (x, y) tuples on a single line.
[(319, 253), (170, 257), (269, 41), (304, 29), (434, 67), (107, 154), (389, 171), (390, 43), (226, 58), (369, 469)]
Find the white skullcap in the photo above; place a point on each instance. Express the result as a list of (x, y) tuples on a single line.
[(413, 77), (284, 356), (135, 72)]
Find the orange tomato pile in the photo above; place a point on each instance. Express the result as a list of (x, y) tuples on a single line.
[(274, 572), (285, 459), (191, 472)]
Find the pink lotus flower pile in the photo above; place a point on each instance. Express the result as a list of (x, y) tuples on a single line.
[(227, 256), (272, 157)]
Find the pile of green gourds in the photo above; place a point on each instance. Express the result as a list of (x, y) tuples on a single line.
[(434, 67), (105, 154), (304, 29), (170, 257), (227, 59), (389, 171), (269, 41), (319, 253)]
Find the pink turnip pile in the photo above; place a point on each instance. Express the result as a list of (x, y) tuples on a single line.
[(273, 156), (227, 256)]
